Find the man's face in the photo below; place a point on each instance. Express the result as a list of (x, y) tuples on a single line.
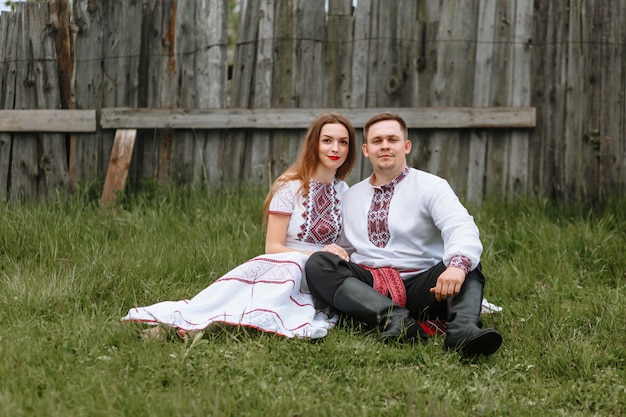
[(386, 147)]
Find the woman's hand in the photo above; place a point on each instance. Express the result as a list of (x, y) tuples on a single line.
[(337, 250)]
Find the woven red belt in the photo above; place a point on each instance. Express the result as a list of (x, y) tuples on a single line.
[(388, 281)]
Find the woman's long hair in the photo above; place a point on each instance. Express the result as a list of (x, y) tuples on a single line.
[(304, 167)]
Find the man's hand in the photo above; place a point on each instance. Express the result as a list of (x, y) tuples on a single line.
[(449, 283)]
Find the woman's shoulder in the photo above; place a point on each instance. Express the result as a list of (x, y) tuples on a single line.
[(288, 185)]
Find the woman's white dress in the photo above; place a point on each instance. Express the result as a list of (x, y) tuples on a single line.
[(268, 292)]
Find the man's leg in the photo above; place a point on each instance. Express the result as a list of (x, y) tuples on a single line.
[(348, 288), (420, 301), (325, 272), (464, 328)]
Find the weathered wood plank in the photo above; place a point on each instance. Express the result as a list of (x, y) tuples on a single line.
[(117, 171), (499, 149), (453, 86), (192, 46), (284, 92), (258, 143), (549, 72), (422, 118), (587, 96), (145, 157), (427, 27), (298, 81), (518, 175), (482, 97), (211, 69), (310, 35), (345, 37), (85, 158), (47, 120), (243, 64), (212, 59), (362, 33), (403, 84), (9, 29), (214, 74), (52, 152), (165, 69), (359, 76), (372, 67), (613, 115), (426, 58), (507, 173), (339, 53), (121, 40), (4, 51), (536, 163), (570, 150), (395, 47), (60, 23), (24, 164), (242, 91), (182, 149)]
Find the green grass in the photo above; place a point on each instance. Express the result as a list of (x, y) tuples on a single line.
[(69, 271)]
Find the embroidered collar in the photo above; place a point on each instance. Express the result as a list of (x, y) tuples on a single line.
[(315, 184), (378, 215), (391, 184)]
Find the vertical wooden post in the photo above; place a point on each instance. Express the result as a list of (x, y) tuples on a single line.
[(118, 164), (60, 21)]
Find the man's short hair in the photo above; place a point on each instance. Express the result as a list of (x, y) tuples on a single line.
[(381, 117)]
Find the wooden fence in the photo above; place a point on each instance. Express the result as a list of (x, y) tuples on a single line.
[(564, 59)]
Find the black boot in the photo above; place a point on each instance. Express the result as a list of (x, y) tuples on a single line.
[(362, 302), (464, 329)]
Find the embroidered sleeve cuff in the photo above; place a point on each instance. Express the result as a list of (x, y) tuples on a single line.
[(462, 262)]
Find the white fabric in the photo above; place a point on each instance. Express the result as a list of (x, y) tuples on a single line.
[(265, 293), (427, 224), (288, 200), (268, 292), (488, 308)]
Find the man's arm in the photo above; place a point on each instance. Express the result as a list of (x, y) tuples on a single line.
[(450, 281)]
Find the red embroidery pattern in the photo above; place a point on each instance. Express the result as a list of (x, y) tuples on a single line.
[(462, 262), (322, 215), (378, 215), (434, 327), (388, 281)]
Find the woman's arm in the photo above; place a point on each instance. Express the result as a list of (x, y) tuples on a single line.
[(275, 237), (277, 225)]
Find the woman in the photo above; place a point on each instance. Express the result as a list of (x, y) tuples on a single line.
[(303, 215)]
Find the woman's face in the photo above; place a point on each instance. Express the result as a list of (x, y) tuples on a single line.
[(333, 145)]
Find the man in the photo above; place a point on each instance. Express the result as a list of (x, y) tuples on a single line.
[(415, 251)]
